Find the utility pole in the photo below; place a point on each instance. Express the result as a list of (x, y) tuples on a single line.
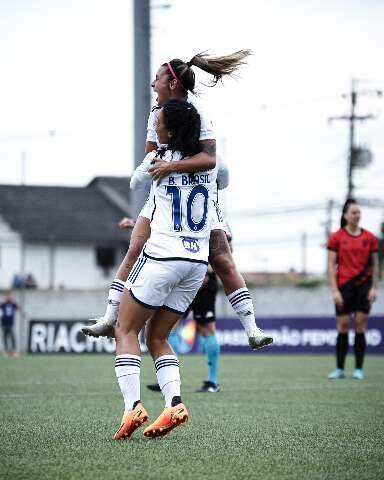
[(142, 93), (357, 157)]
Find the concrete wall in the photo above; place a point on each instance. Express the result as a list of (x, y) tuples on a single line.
[(52, 265), (268, 301)]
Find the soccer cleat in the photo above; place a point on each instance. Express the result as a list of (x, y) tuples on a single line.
[(155, 387), (167, 421), (209, 387), (101, 328), (104, 326), (131, 421), (358, 374), (257, 339), (336, 374)]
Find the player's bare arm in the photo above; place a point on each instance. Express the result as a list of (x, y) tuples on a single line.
[(205, 160), (126, 222)]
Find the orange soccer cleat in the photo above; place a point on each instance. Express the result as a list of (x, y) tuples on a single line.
[(131, 421), (167, 421)]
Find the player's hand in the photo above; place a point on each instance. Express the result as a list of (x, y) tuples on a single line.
[(160, 169), (126, 222), (372, 294), (338, 299)]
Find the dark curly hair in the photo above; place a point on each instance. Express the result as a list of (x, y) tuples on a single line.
[(182, 120)]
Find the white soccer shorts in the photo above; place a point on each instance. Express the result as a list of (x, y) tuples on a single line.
[(169, 284)]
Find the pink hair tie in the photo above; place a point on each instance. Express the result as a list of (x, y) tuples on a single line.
[(172, 72)]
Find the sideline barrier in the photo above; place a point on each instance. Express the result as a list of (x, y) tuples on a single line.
[(291, 335)]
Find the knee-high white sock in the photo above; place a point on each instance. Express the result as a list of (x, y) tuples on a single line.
[(116, 291), (114, 297), (168, 377), (127, 368), (241, 302)]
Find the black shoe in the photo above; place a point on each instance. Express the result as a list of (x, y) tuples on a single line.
[(154, 387), (209, 387)]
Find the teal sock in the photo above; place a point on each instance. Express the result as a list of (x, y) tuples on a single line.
[(212, 348), (174, 341), (201, 344)]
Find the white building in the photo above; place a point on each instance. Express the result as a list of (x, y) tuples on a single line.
[(64, 237)]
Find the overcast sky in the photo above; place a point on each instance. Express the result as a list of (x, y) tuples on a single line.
[(67, 67)]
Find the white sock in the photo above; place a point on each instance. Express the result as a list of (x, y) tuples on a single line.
[(116, 291), (114, 297), (168, 377), (127, 368), (241, 302)]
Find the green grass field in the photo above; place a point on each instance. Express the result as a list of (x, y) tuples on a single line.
[(277, 417)]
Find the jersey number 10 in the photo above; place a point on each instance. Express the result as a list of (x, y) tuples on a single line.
[(177, 213)]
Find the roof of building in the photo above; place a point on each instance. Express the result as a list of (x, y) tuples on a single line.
[(64, 214), (119, 184)]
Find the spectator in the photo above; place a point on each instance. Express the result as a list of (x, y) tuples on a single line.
[(8, 309)]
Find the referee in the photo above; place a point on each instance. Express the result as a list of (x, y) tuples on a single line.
[(204, 313), (353, 278)]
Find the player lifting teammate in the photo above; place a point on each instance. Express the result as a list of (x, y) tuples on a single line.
[(167, 275), (174, 80)]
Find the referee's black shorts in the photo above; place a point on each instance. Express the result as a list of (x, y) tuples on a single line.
[(203, 306), (355, 299)]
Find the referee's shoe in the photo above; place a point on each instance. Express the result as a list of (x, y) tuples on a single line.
[(209, 387)]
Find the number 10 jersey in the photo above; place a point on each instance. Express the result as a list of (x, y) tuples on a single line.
[(182, 214)]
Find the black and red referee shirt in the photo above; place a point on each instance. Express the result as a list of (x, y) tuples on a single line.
[(354, 255)]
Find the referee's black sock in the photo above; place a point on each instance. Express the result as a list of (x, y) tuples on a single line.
[(359, 347), (341, 349)]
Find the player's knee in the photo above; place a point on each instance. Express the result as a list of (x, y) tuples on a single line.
[(223, 265), (342, 327), (360, 327), (207, 331), (122, 330)]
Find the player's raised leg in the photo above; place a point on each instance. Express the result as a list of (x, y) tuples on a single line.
[(168, 374), (220, 257), (104, 325)]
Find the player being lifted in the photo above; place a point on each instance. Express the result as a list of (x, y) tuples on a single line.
[(168, 273), (174, 80)]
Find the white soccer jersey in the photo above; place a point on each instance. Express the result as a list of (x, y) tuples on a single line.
[(182, 214), (143, 180)]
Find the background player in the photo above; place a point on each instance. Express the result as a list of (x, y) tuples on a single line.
[(353, 278), (174, 80)]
